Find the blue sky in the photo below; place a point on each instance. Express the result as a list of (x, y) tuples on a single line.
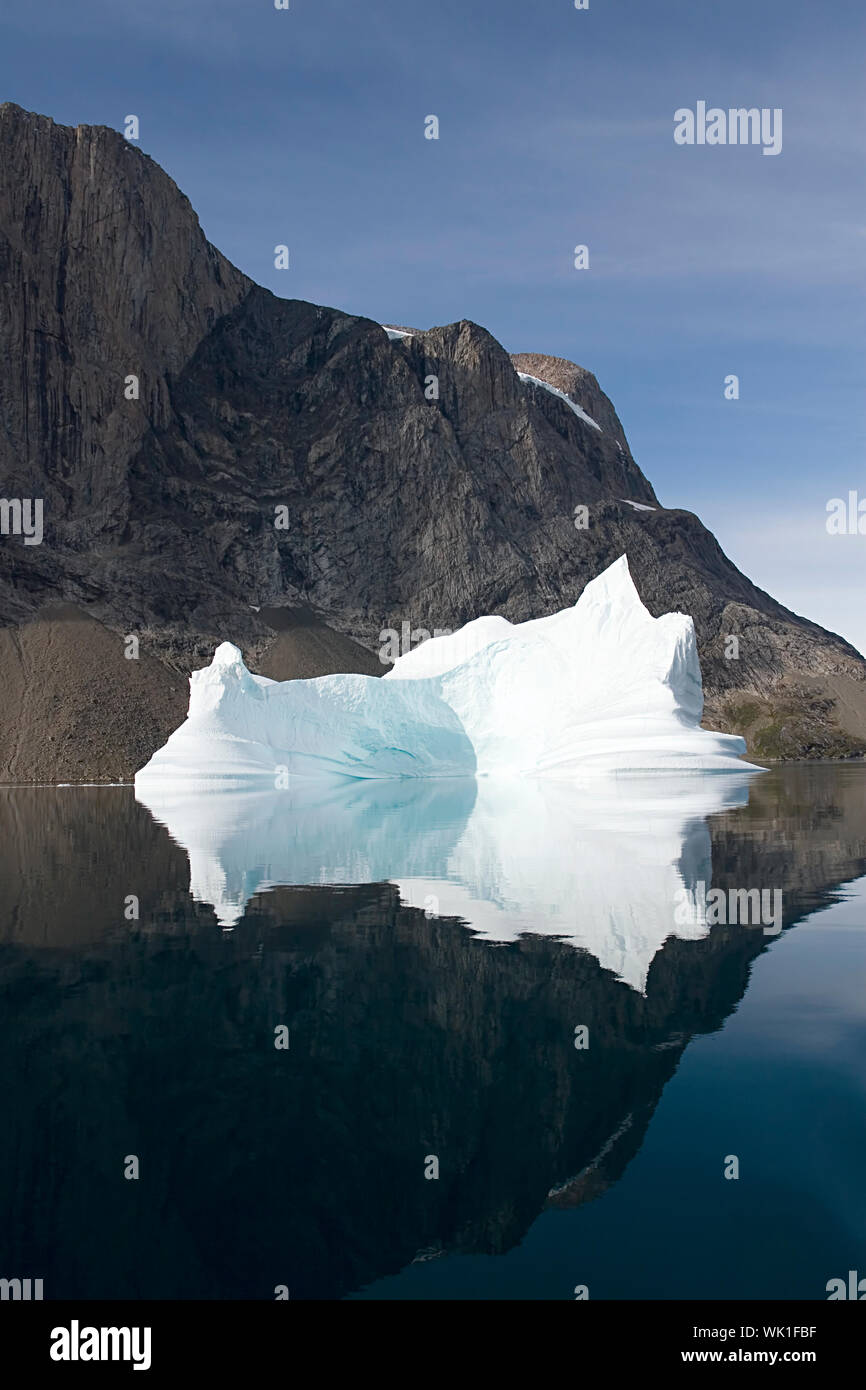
[(306, 127)]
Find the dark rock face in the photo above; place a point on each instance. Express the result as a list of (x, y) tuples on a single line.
[(422, 480)]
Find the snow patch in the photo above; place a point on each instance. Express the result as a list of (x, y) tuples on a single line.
[(638, 506), (554, 391)]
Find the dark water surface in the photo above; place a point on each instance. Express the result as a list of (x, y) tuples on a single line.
[(431, 951)]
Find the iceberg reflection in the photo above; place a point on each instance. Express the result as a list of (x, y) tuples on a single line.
[(600, 866)]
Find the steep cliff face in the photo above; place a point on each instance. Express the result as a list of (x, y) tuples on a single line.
[(419, 480), (104, 272)]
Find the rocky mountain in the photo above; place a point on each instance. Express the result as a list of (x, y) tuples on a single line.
[(217, 463)]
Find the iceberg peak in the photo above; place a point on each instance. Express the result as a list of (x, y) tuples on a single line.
[(227, 654)]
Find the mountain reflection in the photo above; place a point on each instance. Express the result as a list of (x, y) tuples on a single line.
[(410, 1035)]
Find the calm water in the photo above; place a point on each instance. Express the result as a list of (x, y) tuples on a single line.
[(431, 950)]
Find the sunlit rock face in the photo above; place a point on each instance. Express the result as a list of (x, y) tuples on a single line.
[(602, 687)]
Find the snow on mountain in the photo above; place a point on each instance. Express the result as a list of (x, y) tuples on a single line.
[(555, 391), (602, 687)]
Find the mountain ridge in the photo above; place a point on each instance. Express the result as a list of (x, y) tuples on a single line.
[(422, 480)]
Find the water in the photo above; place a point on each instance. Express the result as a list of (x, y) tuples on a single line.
[(431, 950)]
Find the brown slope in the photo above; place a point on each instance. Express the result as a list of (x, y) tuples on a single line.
[(76, 710)]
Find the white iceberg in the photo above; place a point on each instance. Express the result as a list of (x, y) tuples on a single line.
[(599, 688)]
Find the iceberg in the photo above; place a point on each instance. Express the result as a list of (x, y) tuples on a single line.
[(597, 689)]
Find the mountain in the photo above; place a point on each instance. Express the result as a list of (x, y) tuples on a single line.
[(423, 478)]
